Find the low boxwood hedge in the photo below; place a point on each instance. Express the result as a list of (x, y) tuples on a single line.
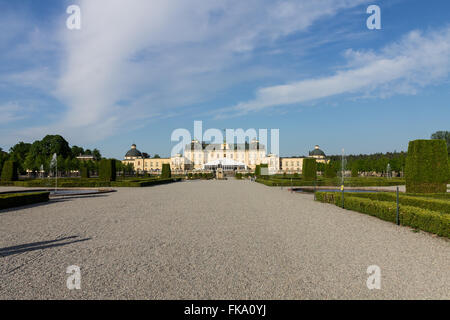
[(12, 200), (90, 183), (415, 217), (276, 180), (148, 183), (438, 205)]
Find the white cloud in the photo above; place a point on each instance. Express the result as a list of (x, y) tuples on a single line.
[(404, 67), (11, 112), (144, 58)]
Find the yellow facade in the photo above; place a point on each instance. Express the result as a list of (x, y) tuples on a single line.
[(197, 156)]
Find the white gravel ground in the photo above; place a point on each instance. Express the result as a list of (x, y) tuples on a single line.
[(213, 240)]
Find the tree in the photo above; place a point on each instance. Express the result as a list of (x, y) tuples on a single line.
[(19, 153), (76, 151), (330, 171), (30, 163), (156, 156), (442, 135), (55, 144), (355, 172), (97, 155)]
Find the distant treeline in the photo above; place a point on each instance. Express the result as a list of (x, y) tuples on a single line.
[(377, 162), (37, 155)]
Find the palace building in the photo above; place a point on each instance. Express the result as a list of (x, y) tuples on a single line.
[(201, 156), (295, 164)]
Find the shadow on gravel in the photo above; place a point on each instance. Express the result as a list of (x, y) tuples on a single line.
[(7, 251), (52, 200)]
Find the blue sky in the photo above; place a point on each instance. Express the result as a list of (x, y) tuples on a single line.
[(137, 70)]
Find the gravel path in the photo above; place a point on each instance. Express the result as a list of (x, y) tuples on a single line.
[(213, 240)]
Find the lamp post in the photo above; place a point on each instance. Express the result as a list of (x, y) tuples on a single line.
[(54, 163)]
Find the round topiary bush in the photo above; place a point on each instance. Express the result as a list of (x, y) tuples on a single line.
[(309, 169), (426, 169)]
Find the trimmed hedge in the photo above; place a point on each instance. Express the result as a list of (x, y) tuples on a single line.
[(309, 170), (91, 183), (442, 196), (149, 183), (258, 170), (84, 172), (166, 172), (426, 168), (107, 170), (441, 206), (415, 217), (9, 171), (13, 200), (336, 182)]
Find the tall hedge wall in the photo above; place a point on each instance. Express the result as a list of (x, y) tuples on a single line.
[(426, 169), (107, 170), (309, 169), (9, 172), (257, 170), (84, 170), (166, 172)]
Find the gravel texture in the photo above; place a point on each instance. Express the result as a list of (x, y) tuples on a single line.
[(213, 240)]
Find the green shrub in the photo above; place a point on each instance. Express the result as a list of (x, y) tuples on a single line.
[(166, 172), (84, 171), (258, 170), (415, 217), (441, 196), (107, 170), (441, 206), (309, 169), (12, 200), (426, 168), (238, 176), (9, 172), (148, 183)]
